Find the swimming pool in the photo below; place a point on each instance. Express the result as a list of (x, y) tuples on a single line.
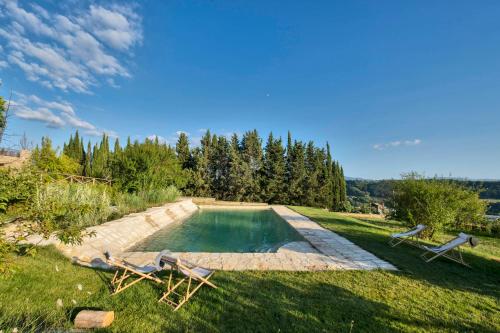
[(223, 230)]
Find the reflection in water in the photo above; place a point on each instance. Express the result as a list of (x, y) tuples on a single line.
[(224, 231)]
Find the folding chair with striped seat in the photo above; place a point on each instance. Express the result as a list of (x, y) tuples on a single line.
[(192, 275), (411, 236), (128, 274)]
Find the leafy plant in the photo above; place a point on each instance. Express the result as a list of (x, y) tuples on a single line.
[(436, 203), (66, 210)]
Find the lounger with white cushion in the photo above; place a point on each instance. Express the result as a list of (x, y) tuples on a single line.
[(133, 273), (411, 236), (195, 276), (450, 249)]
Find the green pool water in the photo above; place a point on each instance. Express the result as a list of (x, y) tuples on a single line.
[(223, 231)]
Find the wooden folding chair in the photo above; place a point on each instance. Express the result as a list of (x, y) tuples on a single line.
[(194, 276), (127, 274), (450, 249), (411, 236)]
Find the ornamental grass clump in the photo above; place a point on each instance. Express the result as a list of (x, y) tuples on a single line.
[(67, 209), (161, 195)]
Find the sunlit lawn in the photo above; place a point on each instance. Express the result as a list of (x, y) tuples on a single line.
[(440, 297)]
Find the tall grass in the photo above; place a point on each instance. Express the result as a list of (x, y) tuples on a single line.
[(77, 204), (84, 205), (126, 203)]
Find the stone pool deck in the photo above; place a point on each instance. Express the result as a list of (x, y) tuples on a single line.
[(323, 250)]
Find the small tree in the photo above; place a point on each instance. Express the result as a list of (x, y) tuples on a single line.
[(3, 117), (437, 203)]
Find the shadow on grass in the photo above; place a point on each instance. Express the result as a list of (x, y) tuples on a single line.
[(301, 302), (482, 278)]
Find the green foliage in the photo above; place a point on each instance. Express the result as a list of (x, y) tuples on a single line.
[(74, 149), (274, 172), (45, 159), (3, 120), (435, 203), (146, 166), (126, 203), (16, 186), (182, 150), (66, 210), (244, 171)]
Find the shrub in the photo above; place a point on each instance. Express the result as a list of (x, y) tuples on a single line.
[(16, 186), (66, 209), (436, 203)]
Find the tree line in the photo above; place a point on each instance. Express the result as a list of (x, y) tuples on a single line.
[(239, 169)]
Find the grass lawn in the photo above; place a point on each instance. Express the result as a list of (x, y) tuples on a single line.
[(438, 297)]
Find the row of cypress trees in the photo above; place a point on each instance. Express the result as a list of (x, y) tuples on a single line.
[(225, 168), (244, 170)]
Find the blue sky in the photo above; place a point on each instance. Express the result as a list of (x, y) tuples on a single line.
[(394, 86)]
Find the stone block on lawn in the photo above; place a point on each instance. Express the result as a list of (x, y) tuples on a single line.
[(94, 319)]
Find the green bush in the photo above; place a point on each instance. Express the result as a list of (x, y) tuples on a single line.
[(436, 203), (16, 186), (66, 209)]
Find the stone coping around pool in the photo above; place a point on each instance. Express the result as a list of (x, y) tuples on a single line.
[(118, 235), (232, 207), (322, 250), (329, 243)]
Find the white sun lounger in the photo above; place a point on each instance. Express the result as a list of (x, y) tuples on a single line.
[(126, 270), (410, 236), (446, 249)]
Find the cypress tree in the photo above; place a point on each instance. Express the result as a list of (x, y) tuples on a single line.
[(220, 162), (182, 150), (203, 165), (274, 172), (117, 149), (251, 152), (87, 170), (297, 173), (240, 174)]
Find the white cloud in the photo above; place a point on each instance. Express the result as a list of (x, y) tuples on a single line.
[(3, 64), (100, 132), (38, 114), (70, 52), (392, 144), (160, 138), (54, 114), (117, 26)]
